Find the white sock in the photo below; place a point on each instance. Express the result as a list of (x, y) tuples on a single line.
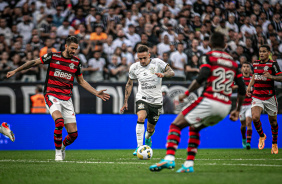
[(140, 129), (148, 135), (188, 163), (58, 151), (169, 157), (63, 147)]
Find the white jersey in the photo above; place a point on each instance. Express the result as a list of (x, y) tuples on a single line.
[(149, 84)]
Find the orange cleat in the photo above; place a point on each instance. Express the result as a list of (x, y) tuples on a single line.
[(274, 149), (261, 142)]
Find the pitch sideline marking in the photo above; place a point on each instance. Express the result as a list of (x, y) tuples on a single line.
[(88, 162)]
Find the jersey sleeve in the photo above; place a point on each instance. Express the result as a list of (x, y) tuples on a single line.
[(239, 81), (45, 59), (79, 69), (204, 62), (276, 69), (132, 74), (162, 65)]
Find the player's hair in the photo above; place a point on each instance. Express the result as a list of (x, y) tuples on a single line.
[(71, 39), (265, 46), (142, 48), (247, 63), (217, 40), (39, 88)]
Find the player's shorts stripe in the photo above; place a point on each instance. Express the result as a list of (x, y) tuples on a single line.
[(192, 106), (205, 65), (48, 102), (278, 73)]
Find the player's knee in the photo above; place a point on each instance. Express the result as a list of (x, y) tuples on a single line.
[(255, 118), (73, 135), (150, 129), (59, 123), (141, 119)]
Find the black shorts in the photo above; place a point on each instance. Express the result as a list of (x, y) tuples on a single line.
[(153, 111)]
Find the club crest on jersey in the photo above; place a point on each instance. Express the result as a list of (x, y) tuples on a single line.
[(266, 68), (71, 66), (152, 70), (141, 106), (145, 74)]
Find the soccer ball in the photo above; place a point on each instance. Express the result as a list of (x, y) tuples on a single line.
[(144, 152)]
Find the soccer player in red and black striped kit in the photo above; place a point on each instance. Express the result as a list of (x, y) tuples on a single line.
[(266, 72), (63, 67), (220, 71), (245, 115)]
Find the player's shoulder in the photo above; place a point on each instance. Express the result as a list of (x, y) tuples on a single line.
[(75, 58), (57, 54), (156, 60), (219, 53), (240, 75), (256, 62), (134, 66)]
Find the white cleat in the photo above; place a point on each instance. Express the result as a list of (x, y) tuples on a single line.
[(7, 131), (58, 155), (63, 152)]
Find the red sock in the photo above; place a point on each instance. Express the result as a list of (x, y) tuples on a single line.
[(59, 125), (243, 132), (259, 128), (173, 139), (249, 135), (193, 143), (274, 130), (70, 138)]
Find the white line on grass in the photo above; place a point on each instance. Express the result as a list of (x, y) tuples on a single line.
[(136, 163)]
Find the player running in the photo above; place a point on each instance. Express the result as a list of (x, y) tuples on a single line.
[(5, 130), (266, 72), (149, 73), (245, 115), (219, 70), (62, 68)]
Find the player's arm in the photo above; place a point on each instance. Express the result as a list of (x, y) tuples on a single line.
[(277, 74), (128, 89), (25, 66), (168, 72), (88, 87), (249, 89)]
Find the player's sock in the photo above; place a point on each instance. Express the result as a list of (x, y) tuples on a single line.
[(173, 140), (274, 130), (249, 135), (259, 128), (140, 129), (193, 143), (59, 125), (243, 132), (149, 134), (70, 138)]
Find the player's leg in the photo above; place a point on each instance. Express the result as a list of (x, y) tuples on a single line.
[(257, 108), (149, 132), (5, 130), (249, 127), (243, 133), (153, 117), (274, 130)]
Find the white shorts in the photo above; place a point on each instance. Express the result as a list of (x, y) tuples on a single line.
[(65, 107), (205, 111), (270, 106), (246, 111)]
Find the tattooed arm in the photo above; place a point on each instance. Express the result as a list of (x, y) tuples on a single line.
[(128, 89), (168, 72), (25, 66)]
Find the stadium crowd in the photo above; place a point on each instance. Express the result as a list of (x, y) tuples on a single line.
[(176, 31)]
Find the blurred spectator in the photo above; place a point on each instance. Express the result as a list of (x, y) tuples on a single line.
[(48, 44), (78, 19), (25, 28), (192, 68), (38, 101), (144, 41), (132, 36), (108, 47), (5, 65), (64, 30), (18, 49), (178, 61), (90, 19), (46, 26), (98, 35), (163, 46), (199, 7), (222, 28), (118, 72), (121, 39), (168, 106), (230, 24), (170, 33), (96, 67), (276, 22), (49, 10), (149, 32), (194, 50), (126, 54), (6, 31), (247, 29), (59, 16)]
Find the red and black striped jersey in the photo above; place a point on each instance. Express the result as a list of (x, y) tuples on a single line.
[(264, 87), (60, 74), (224, 70), (248, 100)]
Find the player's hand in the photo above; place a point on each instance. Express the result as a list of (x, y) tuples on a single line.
[(160, 75), (234, 115), (102, 95), (182, 97), (10, 74), (124, 107), (267, 75), (249, 94)]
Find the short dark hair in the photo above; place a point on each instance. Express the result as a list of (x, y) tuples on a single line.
[(247, 63), (217, 40), (39, 88), (71, 39), (142, 48), (265, 46)]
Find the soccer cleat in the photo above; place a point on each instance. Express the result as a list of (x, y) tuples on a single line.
[(261, 142), (185, 169), (162, 165), (248, 146), (148, 142), (63, 152), (135, 152), (274, 149), (7, 131), (244, 142), (59, 155)]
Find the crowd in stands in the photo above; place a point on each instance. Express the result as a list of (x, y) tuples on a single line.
[(177, 31)]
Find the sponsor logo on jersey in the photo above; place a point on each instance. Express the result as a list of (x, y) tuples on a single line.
[(61, 74), (56, 55), (260, 77), (55, 100), (224, 62), (152, 70), (46, 57), (74, 60), (71, 66), (220, 97), (218, 54), (141, 106), (266, 68), (147, 86)]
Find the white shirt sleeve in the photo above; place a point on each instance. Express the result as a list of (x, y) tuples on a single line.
[(132, 70), (162, 65)]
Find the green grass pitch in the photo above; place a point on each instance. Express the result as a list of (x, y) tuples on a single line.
[(224, 166)]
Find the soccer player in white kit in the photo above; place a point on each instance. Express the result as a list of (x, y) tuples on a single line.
[(149, 73)]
